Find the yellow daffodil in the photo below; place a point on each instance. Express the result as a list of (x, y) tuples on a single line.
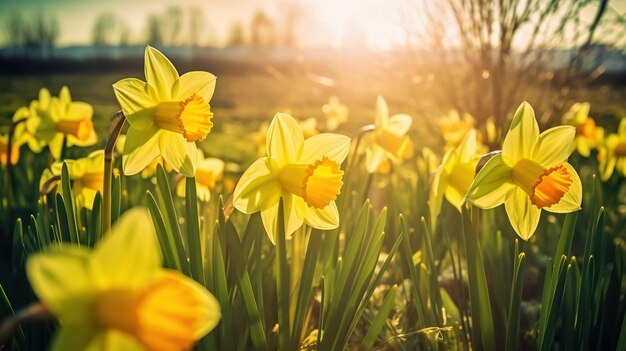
[(209, 171), (453, 127), (65, 119), (4, 151), (26, 122), (390, 139), (336, 113), (309, 127), (166, 114), (117, 297), (613, 153), (86, 174), (454, 176), (306, 174), (588, 134), (530, 174)]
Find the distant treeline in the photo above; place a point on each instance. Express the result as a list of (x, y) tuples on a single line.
[(36, 34)]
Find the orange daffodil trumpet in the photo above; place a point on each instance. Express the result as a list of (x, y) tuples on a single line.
[(117, 297), (530, 174), (390, 140), (306, 174), (166, 114)]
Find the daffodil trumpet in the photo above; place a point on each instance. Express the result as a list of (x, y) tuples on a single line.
[(530, 174)]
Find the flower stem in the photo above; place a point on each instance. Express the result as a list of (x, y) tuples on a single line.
[(117, 122)]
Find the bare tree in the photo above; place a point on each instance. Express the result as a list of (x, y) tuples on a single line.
[(154, 34), (196, 25), (171, 24), (103, 31), (491, 54), (262, 30), (236, 37)]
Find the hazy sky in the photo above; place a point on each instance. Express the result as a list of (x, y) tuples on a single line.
[(378, 22)]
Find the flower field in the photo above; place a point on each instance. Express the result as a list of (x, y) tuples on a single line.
[(167, 227)]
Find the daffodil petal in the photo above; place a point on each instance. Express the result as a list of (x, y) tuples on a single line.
[(258, 187), (60, 276), (523, 215), (382, 113), (466, 151), (79, 110), (491, 185), (178, 153), (333, 146), (269, 217), (323, 218), (140, 149), (572, 199), (294, 208), (399, 124), (554, 146), (160, 73), (522, 136), (75, 336), (374, 156), (64, 95), (133, 95), (284, 139), (621, 131), (112, 265), (56, 146), (200, 83), (582, 146), (113, 339)]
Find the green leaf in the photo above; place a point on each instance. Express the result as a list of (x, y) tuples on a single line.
[(379, 321), (196, 260)]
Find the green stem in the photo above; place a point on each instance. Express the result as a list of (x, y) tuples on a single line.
[(117, 122)]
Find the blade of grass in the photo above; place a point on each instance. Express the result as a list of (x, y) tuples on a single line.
[(196, 261)]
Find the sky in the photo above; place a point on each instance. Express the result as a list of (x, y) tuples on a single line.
[(380, 24), (377, 21)]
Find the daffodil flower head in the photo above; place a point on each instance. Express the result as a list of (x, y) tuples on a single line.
[(336, 113), (455, 175), (306, 174), (117, 297), (390, 139), (453, 127), (86, 174), (612, 154), (66, 119), (530, 174), (166, 114), (588, 135), (209, 171), (25, 128)]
